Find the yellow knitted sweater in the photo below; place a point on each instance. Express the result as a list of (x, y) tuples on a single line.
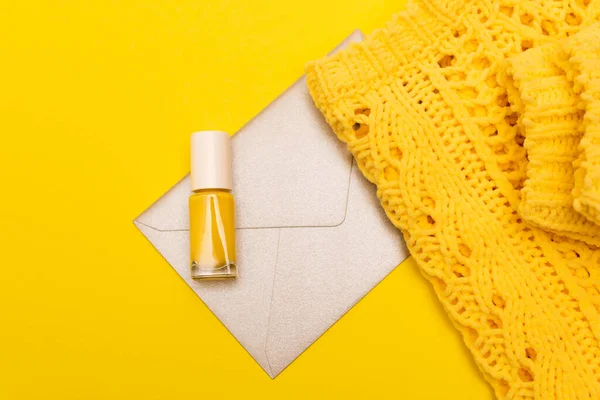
[(423, 107)]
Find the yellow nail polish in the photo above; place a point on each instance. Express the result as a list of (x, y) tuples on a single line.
[(212, 208)]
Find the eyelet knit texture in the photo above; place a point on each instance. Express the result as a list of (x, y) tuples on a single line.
[(422, 107)]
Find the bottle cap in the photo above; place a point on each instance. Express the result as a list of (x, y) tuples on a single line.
[(211, 160)]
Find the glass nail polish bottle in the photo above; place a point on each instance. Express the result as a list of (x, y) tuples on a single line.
[(212, 210)]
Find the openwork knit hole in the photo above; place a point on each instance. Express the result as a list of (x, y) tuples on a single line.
[(430, 220), (461, 271), (530, 353), (428, 202), (460, 30), (360, 130), (502, 100), (503, 388), (549, 28), (465, 250), (507, 10), (498, 301), (457, 33), (526, 44), (520, 139), (395, 153), (362, 111), (525, 375), (447, 61), (511, 119), (583, 3), (501, 150), (509, 166), (494, 323), (527, 19), (573, 19)]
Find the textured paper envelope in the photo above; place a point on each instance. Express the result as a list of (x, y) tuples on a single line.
[(312, 238)]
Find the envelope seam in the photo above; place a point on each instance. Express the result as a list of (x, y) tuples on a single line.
[(278, 227), (271, 306)]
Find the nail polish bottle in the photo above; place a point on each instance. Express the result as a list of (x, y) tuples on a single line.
[(212, 210)]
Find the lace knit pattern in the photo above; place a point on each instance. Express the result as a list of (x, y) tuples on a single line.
[(584, 53), (420, 107), (550, 118)]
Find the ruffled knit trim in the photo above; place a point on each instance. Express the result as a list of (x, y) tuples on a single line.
[(584, 52), (550, 119)]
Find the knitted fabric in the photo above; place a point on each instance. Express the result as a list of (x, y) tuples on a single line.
[(584, 53), (551, 120), (421, 109)]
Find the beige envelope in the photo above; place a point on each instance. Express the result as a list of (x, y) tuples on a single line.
[(312, 238)]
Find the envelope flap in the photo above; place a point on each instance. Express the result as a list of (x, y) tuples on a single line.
[(289, 170)]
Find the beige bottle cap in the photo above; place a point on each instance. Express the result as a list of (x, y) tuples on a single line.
[(211, 160)]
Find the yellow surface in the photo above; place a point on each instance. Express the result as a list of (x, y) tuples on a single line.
[(98, 100)]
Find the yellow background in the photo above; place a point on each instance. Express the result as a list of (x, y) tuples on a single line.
[(97, 101)]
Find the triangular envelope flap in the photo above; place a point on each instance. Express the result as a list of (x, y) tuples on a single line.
[(289, 171)]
